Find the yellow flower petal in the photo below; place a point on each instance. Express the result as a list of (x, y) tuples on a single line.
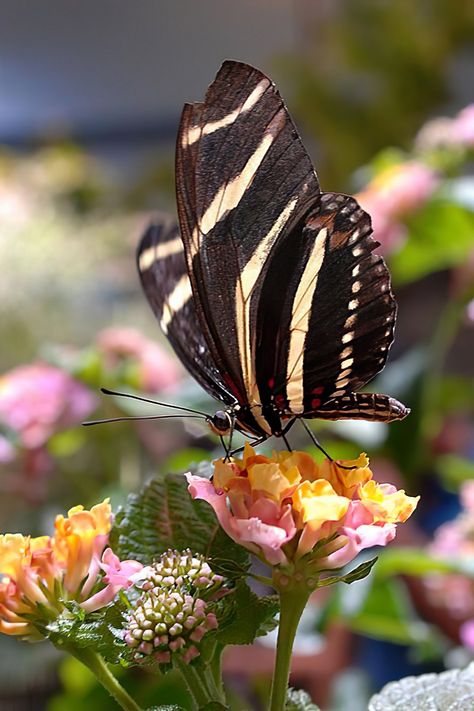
[(347, 478), (386, 505), (317, 502), (269, 479)]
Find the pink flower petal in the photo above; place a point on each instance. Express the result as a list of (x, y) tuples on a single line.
[(466, 634), (358, 539)]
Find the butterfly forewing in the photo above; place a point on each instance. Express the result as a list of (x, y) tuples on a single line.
[(164, 277), (251, 177)]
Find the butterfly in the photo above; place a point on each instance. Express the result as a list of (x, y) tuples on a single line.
[(268, 290)]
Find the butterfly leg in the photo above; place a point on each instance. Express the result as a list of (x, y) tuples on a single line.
[(226, 449), (317, 444), (253, 443), (315, 440)]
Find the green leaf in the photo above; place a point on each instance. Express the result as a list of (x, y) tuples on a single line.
[(412, 561), (299, 700), (246, 616), (102, 631), (168, 707), (214, 706), (359, 573), (451, 690), (454, 470), (165, 516), (185, 459), (441, 235)]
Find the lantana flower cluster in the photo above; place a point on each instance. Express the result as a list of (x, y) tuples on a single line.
[(281, 507), (172, 615), (38, 575)]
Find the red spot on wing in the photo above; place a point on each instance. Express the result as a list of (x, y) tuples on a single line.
[(318, 391), (315, 403)]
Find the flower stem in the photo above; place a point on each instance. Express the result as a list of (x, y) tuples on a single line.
[(101, 671), (195, 682), (292, 604)]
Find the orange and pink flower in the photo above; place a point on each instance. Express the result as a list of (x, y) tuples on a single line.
[(280, 507), (37, 575)]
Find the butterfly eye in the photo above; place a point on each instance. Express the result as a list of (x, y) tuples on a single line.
[(220, 423)]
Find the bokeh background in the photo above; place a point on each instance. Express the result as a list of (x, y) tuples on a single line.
[(90, 98)]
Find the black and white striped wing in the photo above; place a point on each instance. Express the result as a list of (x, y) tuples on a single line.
[(165, 281), (328, 298), (244, 180)]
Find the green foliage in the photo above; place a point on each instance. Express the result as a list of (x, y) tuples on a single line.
[(441, 235), (449, 691), (101, 631), (298, 700), (246, 616), (359, 573), (370, 74), (165, 516)]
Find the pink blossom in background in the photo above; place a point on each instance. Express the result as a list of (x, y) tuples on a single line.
[(157, 370), (454, 540), (466, 633), (38, 400), (463, 128), (445, 132), (394, 194), (7, 451)]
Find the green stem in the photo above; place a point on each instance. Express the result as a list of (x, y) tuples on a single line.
[(216, 669), (194, 680), (292, 604), (101, 671)]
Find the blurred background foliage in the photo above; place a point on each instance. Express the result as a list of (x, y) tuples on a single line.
[(382, 93)]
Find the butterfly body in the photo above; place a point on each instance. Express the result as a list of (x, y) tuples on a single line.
[(269, 290)]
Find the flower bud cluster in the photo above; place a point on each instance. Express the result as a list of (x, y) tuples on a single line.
[(171, 617)]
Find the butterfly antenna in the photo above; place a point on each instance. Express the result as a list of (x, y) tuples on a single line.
[(106, 391), (140, 417)]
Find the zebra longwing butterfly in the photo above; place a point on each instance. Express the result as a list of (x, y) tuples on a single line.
[(268, 290)]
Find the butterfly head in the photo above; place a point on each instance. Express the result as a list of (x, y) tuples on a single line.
[(221, 422)]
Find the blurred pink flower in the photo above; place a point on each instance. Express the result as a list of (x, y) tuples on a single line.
[(7, 451), (463, 128), (466, 634), (38, 400), (454, 540), (156, 369), (394, 194), (445, 132)]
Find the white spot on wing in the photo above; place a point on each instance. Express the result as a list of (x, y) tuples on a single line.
[(159, 251), (231, 193), (175, 301), (195, 132)]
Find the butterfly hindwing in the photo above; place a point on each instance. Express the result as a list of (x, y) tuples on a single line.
[(326, 305)]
